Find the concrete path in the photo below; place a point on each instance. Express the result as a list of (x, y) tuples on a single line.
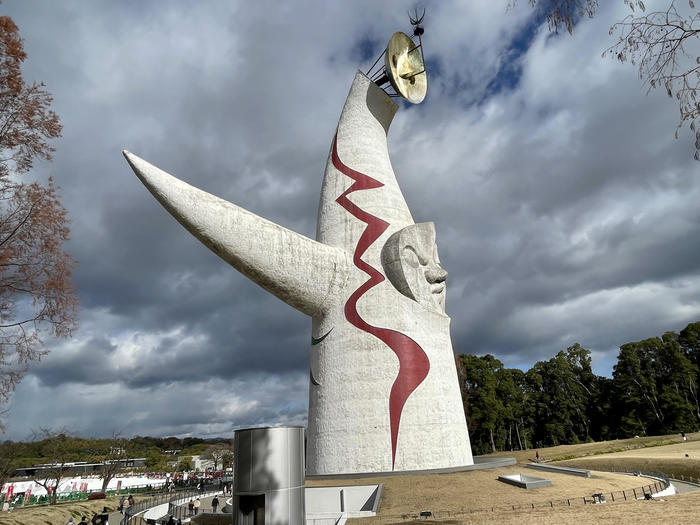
[(116, 517), (683, 487), (205, 505)]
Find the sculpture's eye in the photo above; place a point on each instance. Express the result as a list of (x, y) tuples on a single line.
[(410, 257)]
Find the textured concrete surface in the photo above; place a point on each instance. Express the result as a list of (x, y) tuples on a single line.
[(384, 394)]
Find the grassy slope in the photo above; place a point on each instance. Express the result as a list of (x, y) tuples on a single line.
[(680, 461), (475, 490), (452, 493), (565, 452), (57, 514)]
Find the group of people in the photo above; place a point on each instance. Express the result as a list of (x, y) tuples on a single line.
[(83, 521), (194, 504), (100, 518), (125, 502)]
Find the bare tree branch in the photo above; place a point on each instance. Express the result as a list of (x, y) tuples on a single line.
[(665, 46)]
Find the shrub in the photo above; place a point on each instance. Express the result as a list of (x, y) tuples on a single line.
[(97, 495)]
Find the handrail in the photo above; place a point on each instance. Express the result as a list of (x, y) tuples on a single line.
[(133, 510)]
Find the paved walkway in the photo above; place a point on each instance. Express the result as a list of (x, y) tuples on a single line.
[(116, 517), (204, 507), (683, 486)]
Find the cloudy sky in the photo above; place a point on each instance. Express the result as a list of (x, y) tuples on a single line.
[(565, 210)]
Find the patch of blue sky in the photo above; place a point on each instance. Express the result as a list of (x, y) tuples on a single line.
[(366, 50), (510, 68)]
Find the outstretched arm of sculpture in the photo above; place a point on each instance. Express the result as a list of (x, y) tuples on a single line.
[(302, 272)]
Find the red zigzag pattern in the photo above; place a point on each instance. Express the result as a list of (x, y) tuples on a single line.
[(413, 362)]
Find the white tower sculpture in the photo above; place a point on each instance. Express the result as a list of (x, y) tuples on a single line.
[(384, 394)]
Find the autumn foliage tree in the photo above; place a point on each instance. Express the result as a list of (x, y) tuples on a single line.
[(36, 293)]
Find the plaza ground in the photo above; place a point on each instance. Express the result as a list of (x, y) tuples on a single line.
[(469, 497)]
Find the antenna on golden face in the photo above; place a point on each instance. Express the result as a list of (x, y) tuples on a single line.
[(404, 66)]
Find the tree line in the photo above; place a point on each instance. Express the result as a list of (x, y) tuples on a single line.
[(653, 390)]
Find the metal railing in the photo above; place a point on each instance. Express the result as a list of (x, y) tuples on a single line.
[(130, 513)]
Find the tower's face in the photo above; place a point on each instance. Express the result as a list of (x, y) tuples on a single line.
[(410, 261)]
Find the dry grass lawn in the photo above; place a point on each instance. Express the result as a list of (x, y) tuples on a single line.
[(57, 514), (462, 493), (681, 509), (468, 497), (681, 461), (564, 452)]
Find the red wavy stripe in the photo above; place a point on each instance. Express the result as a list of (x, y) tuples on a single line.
[(413, 362)]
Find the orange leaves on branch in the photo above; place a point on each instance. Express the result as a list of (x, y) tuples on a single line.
[(36, 291), (26, 120)]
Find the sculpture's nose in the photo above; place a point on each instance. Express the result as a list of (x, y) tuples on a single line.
[(435, 274)]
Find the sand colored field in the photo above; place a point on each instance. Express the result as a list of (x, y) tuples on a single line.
[(460, 493), (457, 497), (676, 451), (681, 509), (681, 461), (601, 447), (468, 497)]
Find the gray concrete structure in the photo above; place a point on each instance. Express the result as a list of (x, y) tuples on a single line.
[(383, 393), (572, 471), (525, 482), (269, 483), (333, 505)]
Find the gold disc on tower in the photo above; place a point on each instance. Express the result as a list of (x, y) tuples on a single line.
[(405, 68)]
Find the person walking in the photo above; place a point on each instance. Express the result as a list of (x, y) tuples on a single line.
[(197, 503), (105, 516), (214, 503), (537, 456), (190, 507), (121, 504)]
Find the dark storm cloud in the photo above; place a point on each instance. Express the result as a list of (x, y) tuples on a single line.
[(565, 211), (82, 363)]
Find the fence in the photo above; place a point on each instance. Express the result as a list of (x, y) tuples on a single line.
[(130, 513), (19, 500), (610, 497)]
